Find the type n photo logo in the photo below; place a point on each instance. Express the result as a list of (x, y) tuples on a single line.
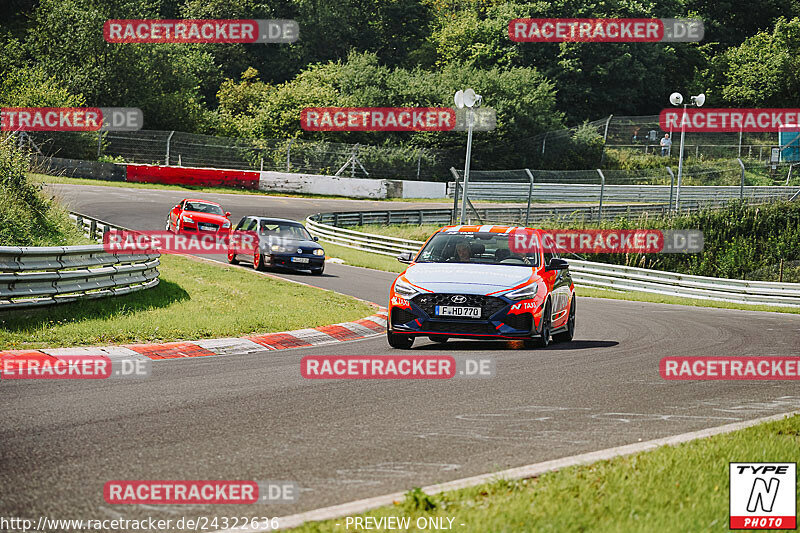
[(763, 495)]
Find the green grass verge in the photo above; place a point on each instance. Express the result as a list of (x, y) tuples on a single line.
[(673, 488), (389, 264), (665, 299), (193, 300)]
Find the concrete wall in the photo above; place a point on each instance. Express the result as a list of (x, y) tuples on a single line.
[(424, 189), (77, 168), (330, 185)]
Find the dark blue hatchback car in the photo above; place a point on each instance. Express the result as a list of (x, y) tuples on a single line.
[(282, 243)]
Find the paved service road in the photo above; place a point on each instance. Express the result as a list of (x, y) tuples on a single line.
[(255, 417)]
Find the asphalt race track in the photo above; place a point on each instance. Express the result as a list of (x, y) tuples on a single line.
[(255, 417)]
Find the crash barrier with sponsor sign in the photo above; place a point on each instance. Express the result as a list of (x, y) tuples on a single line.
[(36, 276), (584, 273), (268, 181)]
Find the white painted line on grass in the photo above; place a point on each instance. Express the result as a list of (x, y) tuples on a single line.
[(522, 472)]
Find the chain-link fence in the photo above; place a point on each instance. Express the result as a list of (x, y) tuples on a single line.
[(629, 192), (625, 142), (643, 134), (285, 155)]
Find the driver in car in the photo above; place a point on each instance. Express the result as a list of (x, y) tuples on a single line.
[(463, 253)]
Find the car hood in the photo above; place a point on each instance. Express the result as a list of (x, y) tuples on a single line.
[(467, 278), (290, 243)]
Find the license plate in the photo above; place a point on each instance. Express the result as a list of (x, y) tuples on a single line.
[(450, 310), (299, 259), (207, 227)]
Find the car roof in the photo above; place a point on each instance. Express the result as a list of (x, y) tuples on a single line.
[(201, 201), (277, 220), (486, 228)]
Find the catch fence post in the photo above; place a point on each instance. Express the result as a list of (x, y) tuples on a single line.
[(602, 191)]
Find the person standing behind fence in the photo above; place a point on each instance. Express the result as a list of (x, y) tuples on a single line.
[(666, 143)]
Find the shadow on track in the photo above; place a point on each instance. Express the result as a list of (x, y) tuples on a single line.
[(423, 343)]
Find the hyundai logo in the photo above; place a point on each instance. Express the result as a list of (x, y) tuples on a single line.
[(458, 299)]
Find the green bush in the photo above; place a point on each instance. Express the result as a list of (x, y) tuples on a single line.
[(27, 218)]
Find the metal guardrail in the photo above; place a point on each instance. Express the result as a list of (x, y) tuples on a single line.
[(36, 276), (512, 215), (584, 273), (509, 191)]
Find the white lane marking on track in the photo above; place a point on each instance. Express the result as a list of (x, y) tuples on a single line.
[(528, 471)]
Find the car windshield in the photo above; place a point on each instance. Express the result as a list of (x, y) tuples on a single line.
[(474, 247), (284, 231), (202, 207)]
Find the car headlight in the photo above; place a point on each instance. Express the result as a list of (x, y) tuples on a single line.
[(319, 251), (404, 289), (187, 219), (226, 225), (525, 293), (276, 248)]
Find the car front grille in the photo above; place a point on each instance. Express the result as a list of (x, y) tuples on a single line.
[(523, 321), (401, 316), (455, 327), (489, 304)]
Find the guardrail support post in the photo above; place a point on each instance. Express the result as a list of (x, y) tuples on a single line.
[(602, 191), (605, 138), (530, 189), (92, 229), (671, 187), (741, 186), (288, 156)]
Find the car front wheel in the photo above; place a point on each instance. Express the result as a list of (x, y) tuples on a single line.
[(541, 339), (401, 342)]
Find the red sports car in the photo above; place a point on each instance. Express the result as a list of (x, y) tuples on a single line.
[(196, 216)]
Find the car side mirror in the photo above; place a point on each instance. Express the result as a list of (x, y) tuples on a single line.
[(405, 257), (556, 264), (227, 214), (316, 239)]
